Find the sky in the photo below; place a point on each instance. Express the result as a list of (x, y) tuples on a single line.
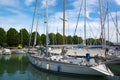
[(18, 14)]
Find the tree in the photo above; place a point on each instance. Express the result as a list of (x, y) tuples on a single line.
[(69, 39), (37, 39), (23, 37), (52, 38), (75, 39), (12, 37), (99, 41), (43, 39), (80, 40), (58, 38), (90, 41), (2, 37), (109, 43)]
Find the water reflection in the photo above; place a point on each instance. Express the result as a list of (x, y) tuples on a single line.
[(115, 68), (17, 67), (12, 63), (113, 78)]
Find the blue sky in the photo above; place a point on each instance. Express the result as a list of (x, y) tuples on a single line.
[(18, 14)]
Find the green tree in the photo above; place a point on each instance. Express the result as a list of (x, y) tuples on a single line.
[(109, 43), (37, 39), (12, 37), (52, 38), (2, 37), (58, 38), (99, 41), (69, 39), (43, 39), (23, 37), (75, 39), (90, 41), (80, 40)]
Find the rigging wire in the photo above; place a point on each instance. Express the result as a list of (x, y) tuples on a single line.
[(115, 24), (78, 17), (114, 21)]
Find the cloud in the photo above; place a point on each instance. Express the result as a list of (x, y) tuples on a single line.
[(50, 3), (117, 2), (91, 6), (13, 11), (17, 19), (29, 2), (112, 18), (11, 3), (16, 22)]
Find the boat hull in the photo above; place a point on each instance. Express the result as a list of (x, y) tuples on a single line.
[(61, 67)]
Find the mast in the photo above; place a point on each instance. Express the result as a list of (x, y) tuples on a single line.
[(85, 22), (108, 22), (108, 27), (32, 23), (101, 20), (36, 29), (46, 22), (64, 6)]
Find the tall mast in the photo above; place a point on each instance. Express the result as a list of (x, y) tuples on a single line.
[(116, 28), (32, 23), (35, 40), (64, 5), (46, 22), (108, 26), (85, 21), (108, 21), (102, 19)]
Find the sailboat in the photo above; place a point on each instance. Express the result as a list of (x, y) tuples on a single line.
[(65, 64)]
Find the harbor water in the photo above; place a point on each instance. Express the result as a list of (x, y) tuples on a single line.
[(17, 67)]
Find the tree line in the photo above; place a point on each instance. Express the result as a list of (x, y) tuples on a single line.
[(12, 38)]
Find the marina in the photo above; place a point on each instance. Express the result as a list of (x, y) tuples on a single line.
[(65, 40)]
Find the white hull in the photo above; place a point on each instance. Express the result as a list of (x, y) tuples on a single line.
[(58, 66), (6, 52)]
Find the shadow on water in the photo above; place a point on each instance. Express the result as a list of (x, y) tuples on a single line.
[(17, 67)]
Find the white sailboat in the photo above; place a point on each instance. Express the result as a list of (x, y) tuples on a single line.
[(65, 64)]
